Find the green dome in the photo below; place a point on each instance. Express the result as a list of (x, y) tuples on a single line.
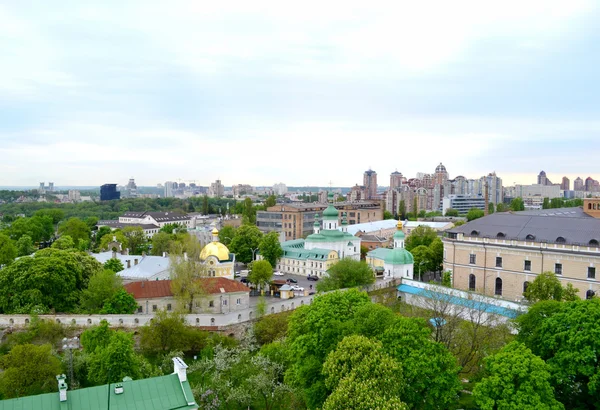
[(399, 257), (330, 213), (399, 235)]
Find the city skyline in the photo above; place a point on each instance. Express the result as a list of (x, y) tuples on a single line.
[(96, 93)]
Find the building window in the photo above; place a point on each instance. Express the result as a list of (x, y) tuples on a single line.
[(498, 290), (591, 272), (558, 268), (498, 262), (224, 302), (472, 259), (525, 285), (527, 266), (211, 303), (154, 308), (238, 301), (140, 309), (472, 281), (168, 306)]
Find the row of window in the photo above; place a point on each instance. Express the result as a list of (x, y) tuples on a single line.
[(591, 271), (211, 303), (498, 287)]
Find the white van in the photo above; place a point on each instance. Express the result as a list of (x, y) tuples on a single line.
[(244, 273)]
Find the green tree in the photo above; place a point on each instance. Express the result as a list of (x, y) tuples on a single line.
[(437, 254), (55, 214), (161, 242), (261, 274), (546, 203), (517, 204), (422, 213), (447, 279), (501, 207), (65, 242), (421, 235), (402, 210), (271, 327), (117, 236), (247, 239), (347, 273), (76, 229), (515, 378), (96, 337), (28, 370), (103, 230), (474, 213), (546, 286), (24, 246), (270, 249), (451, 212), (101, 288), (226, 234), (423, 259), (114, 265), (271, 201), (115, 361), (430, 371), (362, 376), (8, 250), (39, 228), (170, 228), (165, 333), (491, 208), (134, 239), (363, 252), (120, 303), (205, 206), (249, 211), (387, 215)]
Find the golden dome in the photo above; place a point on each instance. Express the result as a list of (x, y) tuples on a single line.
[(399, 226), (216, 249), (215, 231)]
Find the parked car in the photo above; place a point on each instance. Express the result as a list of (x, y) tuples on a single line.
[(292, 280), (297, 288), (277, 273), (244, 280), (312, 277), (311, 293)]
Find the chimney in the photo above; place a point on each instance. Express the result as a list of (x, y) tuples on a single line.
[(62, 387), (179, 368), (135, 261), (128, 263)]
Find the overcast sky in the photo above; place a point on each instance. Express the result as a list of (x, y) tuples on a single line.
[(297, 92)]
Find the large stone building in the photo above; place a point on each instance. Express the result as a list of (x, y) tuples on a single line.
[(370, 184), (502, 253), (150, 222), (296, 220), (218, 261), (320, 250)]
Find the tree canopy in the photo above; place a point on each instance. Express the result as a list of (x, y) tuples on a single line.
[(347, 273), (474, 213), (546, 286), (270, 248), (261, 274), (246, 239), (8, 250)]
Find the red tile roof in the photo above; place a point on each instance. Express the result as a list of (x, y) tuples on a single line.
[(148, 289)]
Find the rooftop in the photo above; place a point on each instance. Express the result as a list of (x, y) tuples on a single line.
[(162, 288), (119, 225), (158, 216), (147, 267)]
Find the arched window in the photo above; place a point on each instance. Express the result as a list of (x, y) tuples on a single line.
[(472, 281), (498, 290), (590, 294), (500, 235), (560, 239), (530, 237), (589, 206), (474, 233), (525, 285), (594, 242)]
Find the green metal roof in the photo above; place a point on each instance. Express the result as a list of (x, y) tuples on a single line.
[(156, 393), (330, 235), (330, 213), (303, 254), (295, 243), (392, 256), (399, 234)]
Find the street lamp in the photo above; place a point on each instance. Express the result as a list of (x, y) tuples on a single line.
[(253, 251), (70, 344), (420, 278)]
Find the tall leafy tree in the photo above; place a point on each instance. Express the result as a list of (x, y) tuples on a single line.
[(115, 361), (474, 213), (402, 209), (186, 272), (546, 286), (76, 229), (347, 273), (24, 246), (39, 228), (27, 370), (161, 242), (517, 204), (120, 303), (101, 289), (8, 250), (64, 242), (249, 211), (271, 201), (226, 234), (421, 235), (270, 248), (423, 259), (135, 238), (515, 378), (261, 274), (246, 242), (56, 214), (165, 333), (114, 265)]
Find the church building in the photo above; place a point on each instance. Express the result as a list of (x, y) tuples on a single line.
[(393, 263), (218, 260)]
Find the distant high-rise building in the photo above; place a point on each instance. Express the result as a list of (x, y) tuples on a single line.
[(395, 180), (181, 185), (441, 175), (130, 190), (543, 179), (370, 183), (170, 187), (217, 189), (108, 192), (51, 186), (42, 188), (74, 196), (280, 189), (578, 184), (589, 184), (565, 184)]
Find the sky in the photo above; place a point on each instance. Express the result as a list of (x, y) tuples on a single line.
[(304, 93)]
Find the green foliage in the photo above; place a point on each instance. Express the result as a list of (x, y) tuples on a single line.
[(429, 369), (271, 327), (114, 361), (50, 279), (39, 228), (226, 234), (474, 213), (247, 238), (102, 288), (271, 201), (28, 370), (114, 265), (363, 252), (165, 333), (388, 215), (109, 238), (186, 273), (100, 233), (362, 376), (37, 332), (96, 337), (170, 228), (491, 208), (249, 211), (8, 250), (546, 286), (270, 249), (76, 229), (56, 215), (565, 335), (161, 242), (515, 378), (24, 246), (261, 274), (451, 212), (423, 259), (501, 207), (421, 235), (517, 204), (447, 279), (135, 239), (402, 210), (65, 242), (347, 273), (121, 302)]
